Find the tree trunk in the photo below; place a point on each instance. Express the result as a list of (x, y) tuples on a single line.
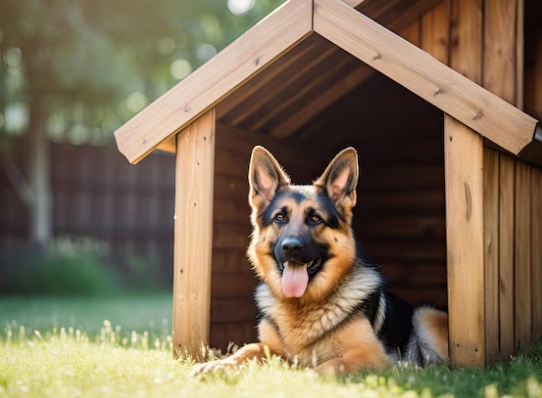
[(39, 176)]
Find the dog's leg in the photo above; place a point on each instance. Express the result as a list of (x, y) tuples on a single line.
[(249, 352), (359, 349), (356, 360), (272, 345)]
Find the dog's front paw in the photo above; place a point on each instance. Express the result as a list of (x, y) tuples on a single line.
[(212, 366)]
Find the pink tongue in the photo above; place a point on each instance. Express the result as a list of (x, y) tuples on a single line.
[(294, 280)]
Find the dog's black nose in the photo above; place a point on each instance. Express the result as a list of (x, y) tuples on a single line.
[(291, 246)]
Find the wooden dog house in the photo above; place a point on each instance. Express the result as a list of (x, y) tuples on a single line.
[(450, 194)]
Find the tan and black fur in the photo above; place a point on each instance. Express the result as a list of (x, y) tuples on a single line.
[(340, 318)]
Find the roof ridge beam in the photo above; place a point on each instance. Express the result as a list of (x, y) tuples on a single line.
[(419, 72)]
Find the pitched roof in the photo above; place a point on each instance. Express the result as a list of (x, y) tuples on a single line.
[(286, 36)]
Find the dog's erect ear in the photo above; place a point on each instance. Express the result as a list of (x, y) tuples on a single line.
[(340, 179), (265, 177)]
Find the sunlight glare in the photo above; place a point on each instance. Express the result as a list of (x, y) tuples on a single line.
[(180, 69), (240, 7), (136, 101), (206, 52)]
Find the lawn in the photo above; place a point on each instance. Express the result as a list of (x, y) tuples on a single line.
[(74, 347)]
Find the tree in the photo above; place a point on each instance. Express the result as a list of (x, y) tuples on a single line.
[(82, 68)]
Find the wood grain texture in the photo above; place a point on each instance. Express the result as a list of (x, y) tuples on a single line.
[(464, 214), (536, 250), (463, 150), (201, 90), (435, 33), (520, 56), (507, 177), (466, 38), (522, 255), (194, 171), (398, 16), (424, 75), (499, 75), (491, 253)]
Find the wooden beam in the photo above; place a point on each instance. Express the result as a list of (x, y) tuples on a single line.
[(506, 254), (464, 174), (422, 74), (204, 88), (194, 181), (522, 255), (387, 13), (463, 152), (491, 253)]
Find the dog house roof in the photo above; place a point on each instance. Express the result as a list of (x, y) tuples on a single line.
[(314, 48)]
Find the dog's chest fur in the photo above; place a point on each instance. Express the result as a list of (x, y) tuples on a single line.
[(307, 331)]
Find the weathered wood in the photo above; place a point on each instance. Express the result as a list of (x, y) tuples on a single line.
[(200, 91), (424, 75), (536, 250), (522, 255), (491, 253), (194, 171), (463, 151), (506, 254)]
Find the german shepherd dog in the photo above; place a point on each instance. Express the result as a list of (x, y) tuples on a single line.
[(323, 302)]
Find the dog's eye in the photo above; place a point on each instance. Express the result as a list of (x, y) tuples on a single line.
[(316, 219), (279, 217)]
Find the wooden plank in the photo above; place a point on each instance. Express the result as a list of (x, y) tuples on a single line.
[(463, 151), (200, 91), (422, 74), (506, 254), (194, 174), (491, 253), (249, 89), (536, 250), (258, 102), (412, 34), (322, 102), (520, 57), (522, 255), (435, 32), (500, 20), (466, 38), (353, 79), (233, 310), (239, 333)]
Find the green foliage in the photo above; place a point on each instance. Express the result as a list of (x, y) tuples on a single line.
[(82, 60), (68, 269)]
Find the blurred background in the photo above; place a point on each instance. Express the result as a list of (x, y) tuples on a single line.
[(75, 217)]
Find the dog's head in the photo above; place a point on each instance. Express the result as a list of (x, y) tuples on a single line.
[(302, 243)]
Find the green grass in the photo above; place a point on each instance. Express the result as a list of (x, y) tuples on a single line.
[(95, 358)]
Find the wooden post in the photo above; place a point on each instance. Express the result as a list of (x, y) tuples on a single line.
[(463, 154), (194, 180)]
